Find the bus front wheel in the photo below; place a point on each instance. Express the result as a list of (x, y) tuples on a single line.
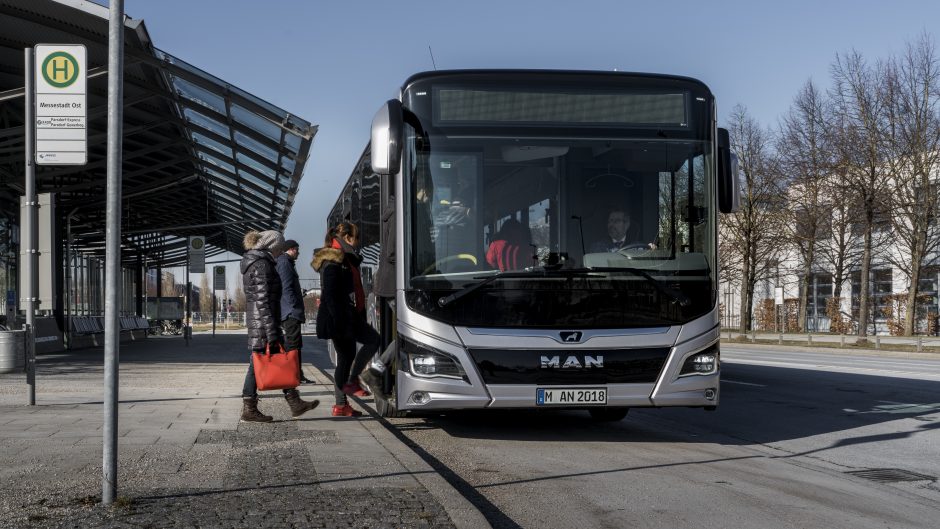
[(608, 414)]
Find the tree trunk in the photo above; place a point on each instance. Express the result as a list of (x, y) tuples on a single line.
[(745, 308), (804, 293), (910, 311), (863, 285)]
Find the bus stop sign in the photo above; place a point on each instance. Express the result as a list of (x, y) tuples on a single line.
[(218, 278), (61, 104)]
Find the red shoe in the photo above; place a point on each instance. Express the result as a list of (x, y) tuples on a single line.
[(356, 390), (345, 411)]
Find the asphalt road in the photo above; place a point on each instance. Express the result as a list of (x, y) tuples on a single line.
[(780, 451)]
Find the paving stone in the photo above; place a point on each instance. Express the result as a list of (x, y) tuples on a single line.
[(185, 460)]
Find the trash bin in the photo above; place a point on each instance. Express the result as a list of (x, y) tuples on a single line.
[(12, 351)]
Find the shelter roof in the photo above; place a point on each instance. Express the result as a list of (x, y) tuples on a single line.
[(197, 150)]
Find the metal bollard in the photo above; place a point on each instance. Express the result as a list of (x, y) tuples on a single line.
[(809, 339), (842, 341), (780, 339), (877, 342), (920, 344)]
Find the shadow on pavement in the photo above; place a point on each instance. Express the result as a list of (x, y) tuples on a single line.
[(776, 404)]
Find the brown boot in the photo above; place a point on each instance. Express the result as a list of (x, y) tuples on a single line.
[(298, 406), (250, 411)]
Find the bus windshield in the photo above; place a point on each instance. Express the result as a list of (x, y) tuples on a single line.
[(508, 215)]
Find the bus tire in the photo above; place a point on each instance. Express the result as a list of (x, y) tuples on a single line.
[(608, 414)]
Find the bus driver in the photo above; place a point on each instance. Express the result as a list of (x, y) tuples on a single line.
[(621, 234)]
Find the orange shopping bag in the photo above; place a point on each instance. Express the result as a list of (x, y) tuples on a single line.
[(278, 369)]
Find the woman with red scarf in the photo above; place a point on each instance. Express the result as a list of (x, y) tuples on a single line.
[(342, 314)]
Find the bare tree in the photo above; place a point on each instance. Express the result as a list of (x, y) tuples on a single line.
[(804, 158), (169, 286), (238, 301), (860, 103), (912, 86), (840, 248), (205, 294), (753, 233)]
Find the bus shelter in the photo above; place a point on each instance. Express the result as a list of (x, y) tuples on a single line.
[(201, 157)]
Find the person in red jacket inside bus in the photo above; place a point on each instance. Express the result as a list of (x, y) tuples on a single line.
[(510, 249)]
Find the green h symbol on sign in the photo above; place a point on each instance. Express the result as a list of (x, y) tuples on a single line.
[(60, 69), (60, 64)]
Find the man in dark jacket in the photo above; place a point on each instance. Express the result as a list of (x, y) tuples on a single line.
[(262, 287), (622, 234), (292, 300)]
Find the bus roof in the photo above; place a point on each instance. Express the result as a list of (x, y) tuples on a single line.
[(521, 74)]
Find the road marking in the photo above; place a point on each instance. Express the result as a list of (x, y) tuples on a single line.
[(726, 381)]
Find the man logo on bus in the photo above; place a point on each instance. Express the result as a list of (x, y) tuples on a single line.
[(60, 69), (571, 336), (572, 362)]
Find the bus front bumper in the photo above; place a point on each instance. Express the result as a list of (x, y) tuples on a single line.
[(418, 393)]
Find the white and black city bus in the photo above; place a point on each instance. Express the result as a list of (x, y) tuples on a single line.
[(509, 289)]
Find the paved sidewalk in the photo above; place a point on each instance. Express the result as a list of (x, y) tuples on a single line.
[(186, 461), (884, 346)]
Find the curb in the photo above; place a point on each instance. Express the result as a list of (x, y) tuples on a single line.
[(461, 511)]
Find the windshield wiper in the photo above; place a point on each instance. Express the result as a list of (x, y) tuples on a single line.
[(536, 272), (672, 293)]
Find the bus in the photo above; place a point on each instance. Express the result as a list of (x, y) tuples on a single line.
[(499, 197)]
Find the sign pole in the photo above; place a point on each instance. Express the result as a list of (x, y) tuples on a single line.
[(218, 283), (195, 263), (30, 237), (187, 326), (113, 249)]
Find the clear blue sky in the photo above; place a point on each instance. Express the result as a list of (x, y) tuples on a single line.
[(334, 63)]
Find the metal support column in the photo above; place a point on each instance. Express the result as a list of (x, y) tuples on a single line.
[(31, 235), (112, 331), (187, 322)]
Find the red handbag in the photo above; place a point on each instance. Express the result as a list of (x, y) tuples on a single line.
[(277, 369)]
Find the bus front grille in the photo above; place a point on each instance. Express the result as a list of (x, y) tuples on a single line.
[(600, 366)]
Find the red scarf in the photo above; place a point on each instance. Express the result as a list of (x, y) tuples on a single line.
[(357, 281)]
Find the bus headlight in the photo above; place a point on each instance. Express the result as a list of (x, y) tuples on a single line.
[(704, 362), (426, 362)]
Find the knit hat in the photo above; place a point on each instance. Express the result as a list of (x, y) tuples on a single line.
[(269, 240)]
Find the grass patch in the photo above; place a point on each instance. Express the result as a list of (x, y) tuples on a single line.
[(86, 501)]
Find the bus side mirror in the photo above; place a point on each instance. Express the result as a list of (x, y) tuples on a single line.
[(386, 138), (729, 184)]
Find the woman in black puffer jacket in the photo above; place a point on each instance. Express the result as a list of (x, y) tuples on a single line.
[(262, 316), (342, 314)]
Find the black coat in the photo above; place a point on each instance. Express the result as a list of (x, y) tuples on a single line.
[(337, 312), (292, 296), (263, 298), (608, 245)]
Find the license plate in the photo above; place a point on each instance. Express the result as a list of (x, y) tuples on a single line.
[(570, 396)]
